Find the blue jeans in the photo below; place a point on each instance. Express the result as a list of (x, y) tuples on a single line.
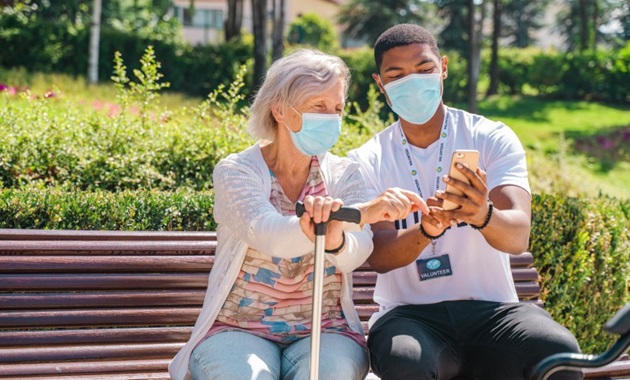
[(237, 355)]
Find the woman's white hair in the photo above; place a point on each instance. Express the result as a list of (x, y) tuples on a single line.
[(290, 81)]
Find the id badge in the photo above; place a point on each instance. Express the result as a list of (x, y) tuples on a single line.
[(434, 267)]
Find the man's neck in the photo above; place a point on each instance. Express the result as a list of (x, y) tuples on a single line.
[(425, 134)]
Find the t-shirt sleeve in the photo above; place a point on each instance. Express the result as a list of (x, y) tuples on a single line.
[(503, 158)]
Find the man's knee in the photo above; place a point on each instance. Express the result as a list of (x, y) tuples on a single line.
[(404, 359)]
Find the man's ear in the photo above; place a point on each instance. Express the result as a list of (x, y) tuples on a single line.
[(377, 79), (444, 67)]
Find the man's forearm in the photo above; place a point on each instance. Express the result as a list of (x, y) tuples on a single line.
[(396, 248)]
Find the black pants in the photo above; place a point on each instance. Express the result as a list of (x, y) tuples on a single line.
[(466, 340)]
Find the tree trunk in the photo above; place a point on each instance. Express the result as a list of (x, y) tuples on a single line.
[(474, 57), (95, 38), (278, 29), (234, 19), (595, 24), (521, 40), (493, 89), (259, 14), (583, 25)]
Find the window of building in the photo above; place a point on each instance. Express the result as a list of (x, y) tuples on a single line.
[(200, 18)]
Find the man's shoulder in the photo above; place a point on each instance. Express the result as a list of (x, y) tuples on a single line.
[(334, 162), (473, 120)]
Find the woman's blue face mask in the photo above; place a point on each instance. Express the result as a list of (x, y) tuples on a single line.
[(319, 133), (416, 97)]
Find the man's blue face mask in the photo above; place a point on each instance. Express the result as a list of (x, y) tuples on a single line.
[(416, 97), (319, 133)]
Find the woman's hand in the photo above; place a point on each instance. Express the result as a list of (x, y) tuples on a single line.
[(393, 204), (317, 210)]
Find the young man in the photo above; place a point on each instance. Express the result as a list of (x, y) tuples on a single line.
[(448, 306)]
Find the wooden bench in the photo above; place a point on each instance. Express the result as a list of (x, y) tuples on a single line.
[(119, 305)]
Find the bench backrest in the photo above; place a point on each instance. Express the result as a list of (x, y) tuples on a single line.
[(80, 301)]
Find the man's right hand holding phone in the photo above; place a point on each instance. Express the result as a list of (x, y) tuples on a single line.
[(473, 203)]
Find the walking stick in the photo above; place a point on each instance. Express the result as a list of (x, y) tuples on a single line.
[(346, 214)]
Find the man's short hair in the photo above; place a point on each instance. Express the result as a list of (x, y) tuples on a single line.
[(401, 35)]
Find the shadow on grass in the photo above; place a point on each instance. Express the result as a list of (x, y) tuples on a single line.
[(606, 147)]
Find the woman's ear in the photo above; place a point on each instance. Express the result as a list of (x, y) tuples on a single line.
[(277, 112)]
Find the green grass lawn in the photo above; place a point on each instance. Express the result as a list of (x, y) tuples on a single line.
[(584, 145)]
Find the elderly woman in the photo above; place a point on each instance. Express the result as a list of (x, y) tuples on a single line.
[(256, 319)]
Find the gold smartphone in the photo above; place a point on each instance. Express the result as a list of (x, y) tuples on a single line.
[(468, 158)]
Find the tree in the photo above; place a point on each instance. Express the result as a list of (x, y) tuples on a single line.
[(95, 38), (278, 29), (367, 19), (259, 14), (476, 16), (493, 88), (455, 34), (463, 33), (520, 18), (581, 23), (234, 20), (624, 21), (310, 29)]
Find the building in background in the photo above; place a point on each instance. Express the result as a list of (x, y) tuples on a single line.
[(204, 25)]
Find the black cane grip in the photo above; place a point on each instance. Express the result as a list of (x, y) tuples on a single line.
[(344, 214), (299, 209)]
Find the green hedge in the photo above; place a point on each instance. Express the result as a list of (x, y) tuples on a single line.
[(127, 210), (603, 75), (581, 246)]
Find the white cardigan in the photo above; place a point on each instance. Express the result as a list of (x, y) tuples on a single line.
[(246, 218)]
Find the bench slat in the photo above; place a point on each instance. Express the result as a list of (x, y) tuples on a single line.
[(155, 350), (33, 301), (524, 260), (99, 376), (91, 264), (177, 316), (102, 281), (18, 234), (364, 278), (525, 290), (73, 247), (82, 367), (90, 336)]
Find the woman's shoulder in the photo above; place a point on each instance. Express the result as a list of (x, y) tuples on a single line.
[(249, 159)]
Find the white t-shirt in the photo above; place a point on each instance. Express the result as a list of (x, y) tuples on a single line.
[(479, 271)]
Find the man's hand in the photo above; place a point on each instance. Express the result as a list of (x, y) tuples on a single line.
[(473, 203)]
